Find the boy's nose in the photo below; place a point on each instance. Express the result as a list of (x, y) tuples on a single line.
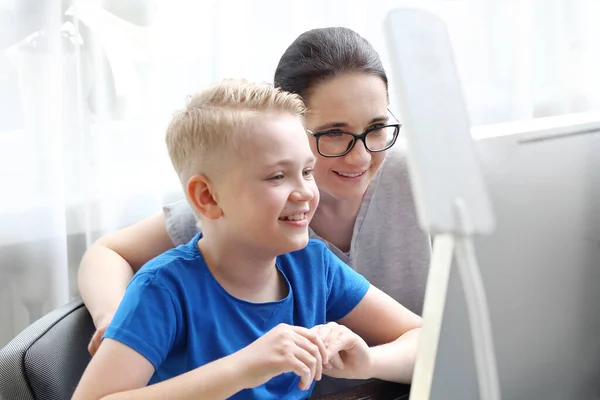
[(303, 192)]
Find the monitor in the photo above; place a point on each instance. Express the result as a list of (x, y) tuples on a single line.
[(532, 189)]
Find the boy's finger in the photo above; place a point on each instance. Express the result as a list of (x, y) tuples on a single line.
[(332, 337), (314, 338), (342, 343), (300, 369), (324, 331), (307, 357), (317, 354), (336, 361)]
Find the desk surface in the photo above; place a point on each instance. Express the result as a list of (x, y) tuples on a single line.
[(371, 391)]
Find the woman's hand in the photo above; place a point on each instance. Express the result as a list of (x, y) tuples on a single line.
[(349, 355), (97, 338)]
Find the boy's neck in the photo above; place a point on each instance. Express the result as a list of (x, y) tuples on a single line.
[(244, 274)]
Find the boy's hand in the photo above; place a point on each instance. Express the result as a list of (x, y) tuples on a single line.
[(349, 355), (284, 348), (97, 338)]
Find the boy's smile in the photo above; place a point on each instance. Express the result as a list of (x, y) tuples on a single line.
[(297, 219)]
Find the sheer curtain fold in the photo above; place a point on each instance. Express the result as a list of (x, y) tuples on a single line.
[(87, 88)]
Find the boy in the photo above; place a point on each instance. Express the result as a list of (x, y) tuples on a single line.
[(240, 310)]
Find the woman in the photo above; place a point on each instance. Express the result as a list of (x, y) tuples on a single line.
[(366, 214)]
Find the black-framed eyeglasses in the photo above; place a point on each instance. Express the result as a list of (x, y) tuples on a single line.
[(337, 143)]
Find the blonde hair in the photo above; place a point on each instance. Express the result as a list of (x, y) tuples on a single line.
[(210, 125)]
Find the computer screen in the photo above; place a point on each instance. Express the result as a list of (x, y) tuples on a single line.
[(540, 268), (539, 182)]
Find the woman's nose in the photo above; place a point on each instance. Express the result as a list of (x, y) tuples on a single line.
[(359, 155)]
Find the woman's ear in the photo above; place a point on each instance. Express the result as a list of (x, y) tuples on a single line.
[(201, 194)]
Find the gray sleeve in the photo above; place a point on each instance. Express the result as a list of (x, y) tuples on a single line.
[(180, 222)]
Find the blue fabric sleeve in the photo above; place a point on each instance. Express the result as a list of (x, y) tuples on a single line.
[(147, 319), (345, 287)]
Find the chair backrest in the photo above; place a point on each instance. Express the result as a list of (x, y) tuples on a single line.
[(47, 359)]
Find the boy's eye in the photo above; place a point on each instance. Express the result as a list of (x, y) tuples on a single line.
[(308, 173)]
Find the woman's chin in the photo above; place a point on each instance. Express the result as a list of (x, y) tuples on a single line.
[(344, 193)]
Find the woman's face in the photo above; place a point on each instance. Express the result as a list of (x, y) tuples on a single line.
[(352, 103)]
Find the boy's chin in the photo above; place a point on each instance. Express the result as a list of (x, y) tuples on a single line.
[(296, 243)]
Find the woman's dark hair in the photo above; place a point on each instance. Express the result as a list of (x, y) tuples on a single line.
[(321, 54)]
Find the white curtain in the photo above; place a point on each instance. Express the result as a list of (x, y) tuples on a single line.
[(87, 87)]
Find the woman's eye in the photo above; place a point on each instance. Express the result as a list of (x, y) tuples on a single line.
[(378, 130), (333, 134), (276, 177)]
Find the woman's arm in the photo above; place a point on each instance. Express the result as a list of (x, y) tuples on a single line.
[(108, 265)]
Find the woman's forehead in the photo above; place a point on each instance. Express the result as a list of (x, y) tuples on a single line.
[(351, 99), (346, 90)]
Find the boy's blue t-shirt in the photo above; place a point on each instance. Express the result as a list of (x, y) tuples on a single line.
[(179, 317)]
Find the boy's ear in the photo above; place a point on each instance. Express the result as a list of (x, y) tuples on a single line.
[(201, 195)]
